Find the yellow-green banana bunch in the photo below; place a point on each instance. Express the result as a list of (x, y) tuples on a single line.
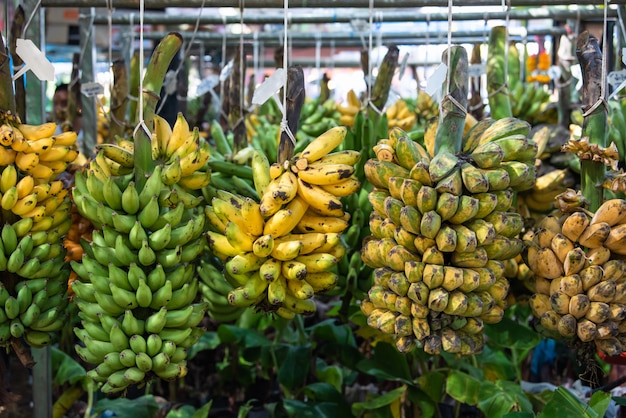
[(579, 276), (348, 111), (539, 200), (282, 250), (214, 289), (399, 115), (36, 217), (529, 102), (181, 150), (442, 228), (137, 281), (425, 108)]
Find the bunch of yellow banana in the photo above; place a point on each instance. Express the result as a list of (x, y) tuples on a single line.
[(103, 127), (137, 280), (400, 116), (539, 200), (425, 107), (181, 150), (36, 217), (214, 289), (442, 229), (579, 276), (349, 110), (279, 252)]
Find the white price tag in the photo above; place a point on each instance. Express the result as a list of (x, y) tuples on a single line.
[(434, 83), (170, 84), (271, 84), (207, 85), (554, 72), (34, 60), (225, 73), (476, 70), (91, 89), (615, 78)]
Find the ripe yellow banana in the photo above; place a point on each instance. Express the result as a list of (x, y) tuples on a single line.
[(324, 144)]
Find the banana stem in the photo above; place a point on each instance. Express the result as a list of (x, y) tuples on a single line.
[(152, 83), (235, 98), (119, 99), (497, 90), (449, 135), (17, 27), (293, 108), (382, 85), (7, 98), (133, 89), (592, 173)]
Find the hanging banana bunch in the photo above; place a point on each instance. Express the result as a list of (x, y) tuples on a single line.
[(279, 252), (36, 217), (137, 282), (442, 226)]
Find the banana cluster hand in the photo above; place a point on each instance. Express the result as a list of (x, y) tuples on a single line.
[(578, 267), (214, 289), (400, 116), (425, 108), (348, 112), (529, 102), (36, 217), (278, 253), (181, 150), (442, 229), (137, 279)]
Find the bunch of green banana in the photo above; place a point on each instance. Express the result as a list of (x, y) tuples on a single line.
[(279, 252), (579, 276), (36, 217), (316, 118), (441, 231), (531, 102), (214, 289), (137, 280), (425, 108), (229, 170)]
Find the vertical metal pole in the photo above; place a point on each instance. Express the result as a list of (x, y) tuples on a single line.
[(35, 114), (87, 48)]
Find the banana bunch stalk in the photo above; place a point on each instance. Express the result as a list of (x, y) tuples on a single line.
[(36, 216), (442, 228), (499, 102), (579, 279), (399, 115), (278, 253)]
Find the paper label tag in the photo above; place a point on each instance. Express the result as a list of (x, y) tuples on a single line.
[(436, 79), (34, 60), (554, 72), (269, 86), (615, 78), (577, 73), (170, 84), (476, 70), (91, 89), (207, 85), (225, 73)]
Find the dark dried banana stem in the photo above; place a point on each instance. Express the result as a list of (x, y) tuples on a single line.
[(449, 135), (119, 99), (17, 27), (592, 173), (293, 108), (7, 98), (152, 84)]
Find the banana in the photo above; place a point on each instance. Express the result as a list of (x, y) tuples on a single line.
[(574, 225), (324, 144), (325, 174), (594, 235)]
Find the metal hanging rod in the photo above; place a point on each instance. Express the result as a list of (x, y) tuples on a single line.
[(331, 4), (346, 39), (344, 16)]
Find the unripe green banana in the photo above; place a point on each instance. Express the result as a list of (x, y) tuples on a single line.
[(156, 322), (154, 343), (132, 325)]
